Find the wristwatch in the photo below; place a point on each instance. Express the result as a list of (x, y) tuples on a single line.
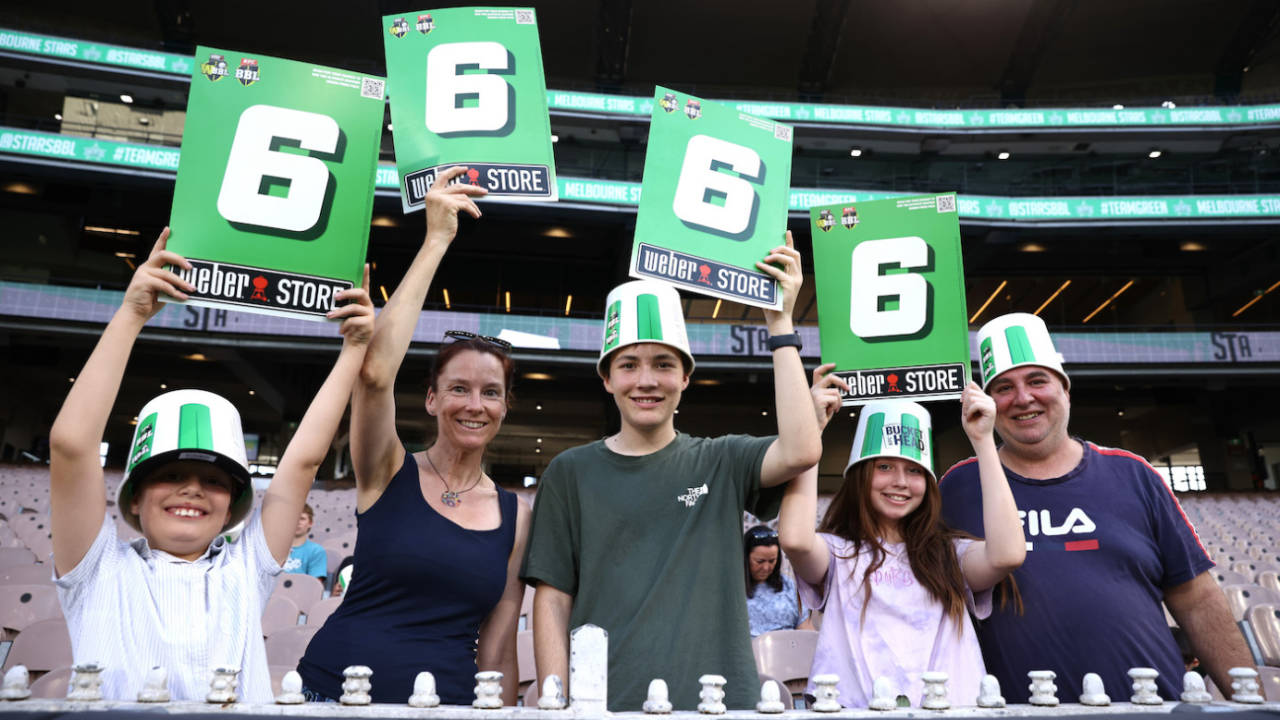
[(780, 341)]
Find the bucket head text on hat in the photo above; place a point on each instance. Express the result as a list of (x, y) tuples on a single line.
[(1014, 340), (894, 429), (643, 311), (187, 425)]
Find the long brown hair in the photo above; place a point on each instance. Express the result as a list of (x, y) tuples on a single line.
[(930, 549)]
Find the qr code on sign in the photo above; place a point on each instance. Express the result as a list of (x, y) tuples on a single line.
[(372, 88), (782, 132), (946, 203), (524, 17)]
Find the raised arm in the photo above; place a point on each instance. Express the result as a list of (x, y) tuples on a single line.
[(799, 442), (375, 446), (297, 470), (990, 560), (551, 610), (497, 646), (807, 552), (77, 495)]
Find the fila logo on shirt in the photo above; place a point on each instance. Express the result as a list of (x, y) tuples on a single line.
[(1039, 523), (691, 497)]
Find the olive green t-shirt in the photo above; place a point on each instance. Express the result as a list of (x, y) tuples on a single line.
[(650, 548)]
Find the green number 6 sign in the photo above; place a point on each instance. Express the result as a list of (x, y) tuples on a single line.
[(890, 286)]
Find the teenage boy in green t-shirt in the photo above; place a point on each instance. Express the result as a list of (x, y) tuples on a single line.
[(640, 533)]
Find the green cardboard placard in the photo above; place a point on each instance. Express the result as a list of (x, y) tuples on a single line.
[(891, 300), (714, 199), (275, 183), (467, 88)]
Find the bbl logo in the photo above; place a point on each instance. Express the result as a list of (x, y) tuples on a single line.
[(693, 109), (215, 68), (247, 73), (849, 218), (826, 220), (669, 102), (399, 27), (425, 24)]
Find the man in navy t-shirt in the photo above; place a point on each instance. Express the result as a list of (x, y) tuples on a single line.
[(1106, 537)]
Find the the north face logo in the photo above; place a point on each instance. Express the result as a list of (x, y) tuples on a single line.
[(691, 497)]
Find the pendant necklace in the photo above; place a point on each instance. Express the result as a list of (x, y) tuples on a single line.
[(450, 497)]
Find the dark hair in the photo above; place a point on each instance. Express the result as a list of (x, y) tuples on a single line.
[(761, 536), (480, 345), (929, 541), (306, 508)]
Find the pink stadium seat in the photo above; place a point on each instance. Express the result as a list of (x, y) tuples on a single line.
[(530, 697), (1228, 577), (303, 590), (1264, 618), (1269, 679), (344, 542), (286, 647), (524, 662), (41, 574), (23, 605), (1269, 579), (42, 646), (322, 610), (526, 609), (786, 656), (1243, 597), (14, 556), (53, 685), (281, 613), (333, 558), (277, 674)]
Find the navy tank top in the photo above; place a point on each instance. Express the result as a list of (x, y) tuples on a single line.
[(420, 588)]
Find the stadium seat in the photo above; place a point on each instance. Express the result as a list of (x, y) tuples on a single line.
[(42, 646), (1228, 577), (1246, 568), (1269, 679), (39, 574), (531, 694), (281, 612), (786, 656), (526, 609), (304, 590), (277, 675), (344, 542), (23, 605), (53, 685), (322, 610), (1242, 597), (286, 647), (333, 558), (15, 556), (1264, 618), (1269, 579), (524, 661)]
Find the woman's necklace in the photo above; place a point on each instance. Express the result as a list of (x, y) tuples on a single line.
[(450, 497)]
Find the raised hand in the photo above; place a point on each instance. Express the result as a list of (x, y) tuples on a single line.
[(790, 277), (826, 393), (977, 412), (443, 202), (357, 323), (142, 297)]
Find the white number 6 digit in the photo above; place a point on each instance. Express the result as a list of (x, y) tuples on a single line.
[(444, 85), (697, 176), (240, 199), (869, 287)]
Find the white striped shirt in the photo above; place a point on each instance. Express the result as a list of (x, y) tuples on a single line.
[(130, 608)]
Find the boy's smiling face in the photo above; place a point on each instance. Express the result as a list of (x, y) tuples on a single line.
[(183, 506)]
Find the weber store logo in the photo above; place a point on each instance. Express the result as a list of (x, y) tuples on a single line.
[(705, 275), (259, 288), (910, 383), (500, 180)]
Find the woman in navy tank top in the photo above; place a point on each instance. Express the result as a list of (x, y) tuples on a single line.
[(435, 584)]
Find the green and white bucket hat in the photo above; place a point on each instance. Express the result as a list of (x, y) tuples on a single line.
[(643, 311), (894, 429), (1015, 340), (187, 425)]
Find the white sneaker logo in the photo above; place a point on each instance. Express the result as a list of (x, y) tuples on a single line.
[(691, 497)]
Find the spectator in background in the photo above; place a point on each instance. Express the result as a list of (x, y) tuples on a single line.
[(306, 557), (772, 602)]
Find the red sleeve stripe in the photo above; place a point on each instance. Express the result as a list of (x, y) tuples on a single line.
[(1132, 456), (952, 469)]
